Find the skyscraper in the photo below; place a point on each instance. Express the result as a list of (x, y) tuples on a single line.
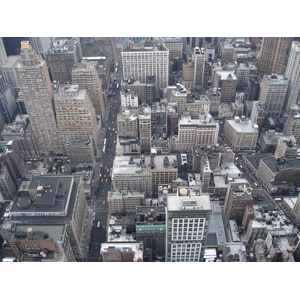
[(62, 55), (273, 55), (199, 65), (273, 91), (292, 73), (35, 86), (76, 122), (85, 75)]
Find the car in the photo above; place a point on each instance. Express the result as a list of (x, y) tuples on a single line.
[(100, 175), (103, 202), (102, 180), (112, 122), (105, 167), (110, 134), (106, 180), (104, 175)]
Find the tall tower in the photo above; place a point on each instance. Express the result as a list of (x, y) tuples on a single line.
[(273, 55), (273, 91), (40, 45), (145, 132), (35, 86), (199, 65), (292, 73), (85, 75), (76, 121)]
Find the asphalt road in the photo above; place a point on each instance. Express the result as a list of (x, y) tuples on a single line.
[(103, 171)]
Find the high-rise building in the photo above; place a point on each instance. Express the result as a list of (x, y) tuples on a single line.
[(273, 55), (76, 122), (241, 134), (199, 66), (85, 75), (188, 216), (145, 131), (273, 92), (63, 54), (150, 228), (3, 55), (35, 86), (148, 59), (132, 174), (8, 104), (55, 199), (292, 73), (292, 124), (175, 46), (197, 132), (7, 185), (227, 82), (127, 124), (41, 45), (237, 198), (129, 99), (20, 131)]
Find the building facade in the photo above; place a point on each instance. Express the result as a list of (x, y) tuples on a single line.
[(35, 86)]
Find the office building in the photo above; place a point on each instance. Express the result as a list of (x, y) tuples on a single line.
[(145, 91), (129, 99), (122, 252), (227, 51), (127, 123), (227, 81), (3, 55), (292, 73), (54, 199), (241, 134), (199, 66), (273, 55), (188, 217), (86, 76), (7, 185), (175, 47), (214, 96), (41, 45), (124, 201), (76, 122), (148, 59), (238, 197), (292, 124), (278, 174), (63, 54), (11, 156), (20, 131), (259, 113), (273, 91), (164, 170), (41, 243), (35, 86), (197, 132), (8, 104), (286, 147), (150, 229), (132, 174), (145, 130), (128, 146), (188, 71)]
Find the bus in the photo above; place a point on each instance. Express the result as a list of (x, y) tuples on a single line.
[(103, 150)]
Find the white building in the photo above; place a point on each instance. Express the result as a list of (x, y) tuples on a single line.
[(145, 60), (129, 99), (188, 216)]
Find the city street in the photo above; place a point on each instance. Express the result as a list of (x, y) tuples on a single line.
[(105, 160)]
